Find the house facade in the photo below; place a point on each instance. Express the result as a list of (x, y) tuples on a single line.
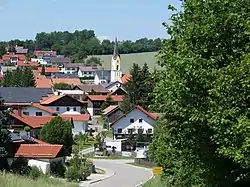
[(112, 113), (94, 102), (137, 121)]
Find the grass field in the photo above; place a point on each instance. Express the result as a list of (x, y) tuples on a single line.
[(154, 182), (128, 59), (9, 180)]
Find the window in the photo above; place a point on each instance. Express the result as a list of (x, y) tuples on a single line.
[(39, 113), (26, 113), (140, 131), (68, 109), (132, 120), (119, 131), (130, 131), (57, 109), (150, 131), (74, 108), (140, 120)]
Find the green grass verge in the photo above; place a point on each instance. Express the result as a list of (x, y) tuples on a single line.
[(154, 182), (80, 145), (10, 180)]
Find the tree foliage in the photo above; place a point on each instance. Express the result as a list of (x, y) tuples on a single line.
[(4, 135), (62, 86), (139, 88), (80, 44), (58, 131), (109, 101), (203, 92), (19, 78)]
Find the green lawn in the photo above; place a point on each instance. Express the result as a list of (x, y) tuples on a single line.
[(10, 180), (80, 145), (154, 182), (128, 59)]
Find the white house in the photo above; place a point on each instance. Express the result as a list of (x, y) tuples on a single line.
[(87, 71), (80, 121), (136, 121)]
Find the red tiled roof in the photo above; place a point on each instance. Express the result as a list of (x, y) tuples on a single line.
[(70, 81), (27, 64), (117, 98), (47, 70), (110, 109), (154, 117), (38, 150), (44, 108), (8, 56), (39, 141), (77, 117), (34, 121), (42, 82), (51, 99), (125, 78)]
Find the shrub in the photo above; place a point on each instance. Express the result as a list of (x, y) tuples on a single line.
[(20, 166), (80, 168), (58, 169), (35, 172)]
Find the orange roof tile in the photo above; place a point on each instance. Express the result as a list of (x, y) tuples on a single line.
[(71, 81), (125, 78), (27, 64), (51, 99), (110, 109), (47, 70), (35, 121), (42, 82), (77, 117), (151, 115), (8, 56), (117, 98), (38, 150)]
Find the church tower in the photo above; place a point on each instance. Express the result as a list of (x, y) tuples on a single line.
[(116, 73)]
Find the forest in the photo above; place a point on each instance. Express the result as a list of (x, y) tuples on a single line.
[(79, 44)]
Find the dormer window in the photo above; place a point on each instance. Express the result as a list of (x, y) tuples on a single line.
[(132, 120), (140, 120)]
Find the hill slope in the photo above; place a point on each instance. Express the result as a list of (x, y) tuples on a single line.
[(128, 59)]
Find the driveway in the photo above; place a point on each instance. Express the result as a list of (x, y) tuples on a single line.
[(125, 174)]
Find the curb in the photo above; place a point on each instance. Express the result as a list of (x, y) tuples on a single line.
[(86, 183), (142, 183)]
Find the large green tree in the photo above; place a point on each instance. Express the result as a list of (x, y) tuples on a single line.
[(139, 87), (203, 92), (58, 131), (4, 136), (19, 78)]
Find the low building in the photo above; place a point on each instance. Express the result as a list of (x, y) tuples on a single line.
[(112, 113), (95, 102), (92, 89), (137, 121), (49, 71)]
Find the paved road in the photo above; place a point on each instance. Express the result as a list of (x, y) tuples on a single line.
[(125, 175)]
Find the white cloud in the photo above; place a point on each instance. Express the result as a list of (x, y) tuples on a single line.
[(101, 38)]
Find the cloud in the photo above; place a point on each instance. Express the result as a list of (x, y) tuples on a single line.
[(101, 38)]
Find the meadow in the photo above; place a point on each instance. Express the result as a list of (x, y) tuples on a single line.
[(128, 59)]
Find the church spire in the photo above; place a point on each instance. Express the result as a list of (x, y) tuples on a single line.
[(115, 53)]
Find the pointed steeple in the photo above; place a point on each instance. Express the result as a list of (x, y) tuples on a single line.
[(115, 53)]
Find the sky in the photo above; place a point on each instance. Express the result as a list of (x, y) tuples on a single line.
[(126, 19)]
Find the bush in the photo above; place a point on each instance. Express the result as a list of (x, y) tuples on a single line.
[(35, 172), (80, 168), (20, 166), (91, 138), (58, 169)]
